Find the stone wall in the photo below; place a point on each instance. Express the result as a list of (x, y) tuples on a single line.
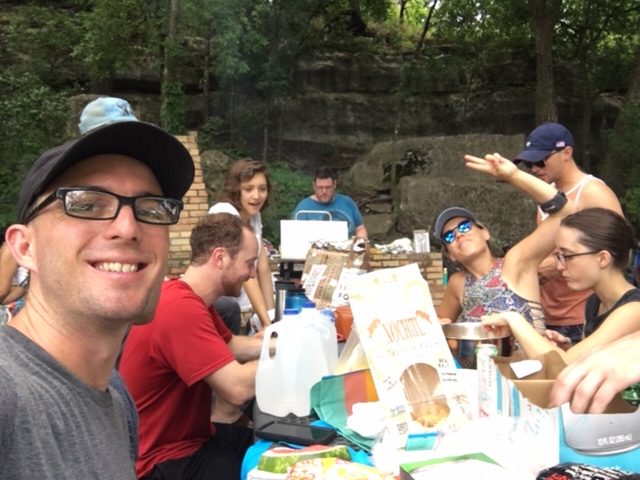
[(195, 207)]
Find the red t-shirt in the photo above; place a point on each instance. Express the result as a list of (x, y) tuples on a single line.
[(163, 364)]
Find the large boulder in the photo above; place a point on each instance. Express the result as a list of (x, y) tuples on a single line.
[(507, 213), (431, 176), (439, 156)]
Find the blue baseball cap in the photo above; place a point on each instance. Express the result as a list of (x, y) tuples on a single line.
[(110, 127), (105, 111), (544, 140)]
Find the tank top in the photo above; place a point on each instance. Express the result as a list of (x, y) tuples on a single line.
[(491, 294), (593, 320), (563, 306)]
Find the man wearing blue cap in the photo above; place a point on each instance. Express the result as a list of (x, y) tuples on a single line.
[(548, 153), (93, 231)]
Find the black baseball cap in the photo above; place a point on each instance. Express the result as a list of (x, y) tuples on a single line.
[(168, 159), (448, 214)]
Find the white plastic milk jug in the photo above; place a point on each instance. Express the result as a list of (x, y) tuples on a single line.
[(284, 379), (327, 329)]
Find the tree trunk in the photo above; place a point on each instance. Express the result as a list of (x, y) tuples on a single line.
[(545, 13), (403, 5), (169, 74), (206, 87), (265, 143), (614, 168), (425, 28), (280, 130), (265, 134), (356, 23), (169, 88)]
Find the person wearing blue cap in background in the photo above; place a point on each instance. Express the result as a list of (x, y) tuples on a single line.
[(93, 231), (548, 154)]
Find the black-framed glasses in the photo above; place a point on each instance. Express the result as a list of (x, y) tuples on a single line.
[(563, 257), (542, 163), (96, 204), (449, 236)]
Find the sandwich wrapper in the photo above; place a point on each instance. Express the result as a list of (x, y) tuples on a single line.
[(610, 439)]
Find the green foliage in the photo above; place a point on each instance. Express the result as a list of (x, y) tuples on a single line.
[(33, 119), (484, 25), (221, 24), (209, 133), (41, 40), (115, 31), (172, 111), (626, 145), (288, 188), (601, 38)]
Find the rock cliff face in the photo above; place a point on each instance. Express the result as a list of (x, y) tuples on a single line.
[(347, 104), (347, 114)]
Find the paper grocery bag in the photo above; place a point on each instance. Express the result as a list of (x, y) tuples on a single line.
[(410, 361)]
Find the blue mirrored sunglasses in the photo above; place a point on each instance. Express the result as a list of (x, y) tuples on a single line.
[(450, 235)]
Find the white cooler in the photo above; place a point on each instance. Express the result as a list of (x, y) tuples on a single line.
[(296, 236)]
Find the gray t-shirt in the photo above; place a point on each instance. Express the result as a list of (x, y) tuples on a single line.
[(52, 425)]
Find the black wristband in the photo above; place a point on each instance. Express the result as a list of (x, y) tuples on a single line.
[(554, 205)]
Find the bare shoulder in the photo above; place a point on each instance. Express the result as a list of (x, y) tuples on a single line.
[(622, 321), (450, 305), (598, 194), (455, 284)]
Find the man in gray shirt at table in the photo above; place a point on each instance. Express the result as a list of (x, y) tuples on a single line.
[(93, 230)]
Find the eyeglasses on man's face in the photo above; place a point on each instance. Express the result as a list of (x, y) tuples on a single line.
[(449, 236), (542, 163), (97, 204), (562, 258)]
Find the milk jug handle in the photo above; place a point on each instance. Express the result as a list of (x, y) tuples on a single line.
[(266, 343)]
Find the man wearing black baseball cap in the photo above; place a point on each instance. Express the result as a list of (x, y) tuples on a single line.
[(548, 153), (93, 230)]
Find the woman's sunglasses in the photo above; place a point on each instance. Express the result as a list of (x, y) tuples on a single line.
[(449, 236)]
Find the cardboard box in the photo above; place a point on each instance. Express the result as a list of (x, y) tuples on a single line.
[(327, 274), (610, 439)]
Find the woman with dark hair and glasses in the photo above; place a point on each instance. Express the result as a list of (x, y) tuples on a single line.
[(592, 253), (245, 192), (488, 284)]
